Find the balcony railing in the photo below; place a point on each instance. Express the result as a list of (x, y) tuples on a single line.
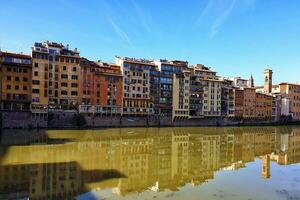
[(96, 109), (39, 108)]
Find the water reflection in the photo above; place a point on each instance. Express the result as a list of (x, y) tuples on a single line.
[(64, 164)]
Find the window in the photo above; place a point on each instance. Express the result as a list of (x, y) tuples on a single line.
[(74, 85), (64, 84), (74, 77), (24, 87), (74, 93), (36, 99), (9, 69), (74, 69), (25, 79), (8, 87), (8, 78), (64, 92), (17, 79), (64, 76), (36, 73), (17, 87), (36, 64), (35, 91), (35, 82), (64, 67)]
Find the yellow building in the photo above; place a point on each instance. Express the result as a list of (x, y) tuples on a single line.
[(15, 81), (56, 75), (293, 92), (136, 85), (212, 97), (212, 90)]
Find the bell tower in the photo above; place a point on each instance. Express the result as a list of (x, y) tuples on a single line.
[(251, 82), (268, 73)]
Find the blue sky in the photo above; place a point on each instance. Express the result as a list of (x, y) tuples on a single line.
[(234, 37)]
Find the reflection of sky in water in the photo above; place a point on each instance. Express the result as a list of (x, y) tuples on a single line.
[(245, 183)]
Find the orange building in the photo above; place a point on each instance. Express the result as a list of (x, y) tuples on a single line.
[(239, 103), (15, 81), (87, 70), (101, 87), (263, 106), (249, 103), (293, 92)]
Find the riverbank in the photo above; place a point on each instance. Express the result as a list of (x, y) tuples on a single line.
[(74, 120)]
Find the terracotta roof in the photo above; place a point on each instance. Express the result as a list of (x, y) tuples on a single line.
[(285, 83), (15, 55)]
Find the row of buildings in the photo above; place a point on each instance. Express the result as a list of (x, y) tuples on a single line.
[(56, 77)]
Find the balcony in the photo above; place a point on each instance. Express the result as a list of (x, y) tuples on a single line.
[(96, 109)]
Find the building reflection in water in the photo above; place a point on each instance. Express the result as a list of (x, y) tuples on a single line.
[(64, 164)]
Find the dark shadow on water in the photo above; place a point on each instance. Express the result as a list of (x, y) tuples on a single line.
[(50, 180), (19, 137)]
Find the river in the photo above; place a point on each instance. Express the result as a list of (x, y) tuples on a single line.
[(252, 163)]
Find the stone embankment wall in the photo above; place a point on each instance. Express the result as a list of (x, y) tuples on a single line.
[(74, 120), (22, 120)]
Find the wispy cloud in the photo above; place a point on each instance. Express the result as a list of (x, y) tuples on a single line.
[(212, 12), (141, 16), (205, 11), (120, 32), (220, 20), (109, 15)]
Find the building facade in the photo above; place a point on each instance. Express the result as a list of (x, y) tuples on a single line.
[(15, 81), (136, 86), (264, 106), (181, 89), (55, 76), (293, 93), (238, 103), (196, 97), (87, 92), (161, 81), (249, 103), (101, 88), (212, 90), (227, 98)]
